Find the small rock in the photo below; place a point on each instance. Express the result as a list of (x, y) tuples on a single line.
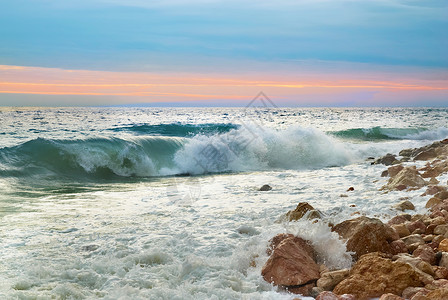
[(444, 260), (265, 188), (326, 296), (388, 159), (399, 219), (426, 253), (440, 272), (439, 294), (302, 209), (315, 291), (443, 245), (441, 229), (433, 202), (409, 292), (412, 239), (404, 205), (329, 280), (350, 189), (401, 230), (390, 296), (398, 246)]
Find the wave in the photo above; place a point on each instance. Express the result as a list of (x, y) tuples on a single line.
[(248, 148), (177, 129), (380, 133)]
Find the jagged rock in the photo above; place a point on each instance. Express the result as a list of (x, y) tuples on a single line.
[(265, 188), (394, 170), (291, 264), (375, 274), (440, 272), (329, 280), (273, 242), (365, 235), (408, 177), (302, 209)]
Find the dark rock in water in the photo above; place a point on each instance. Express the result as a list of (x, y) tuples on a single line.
[(265, 188), (350, 189), (388, 159), (385, 173), (404, 205), (302, 209), (89, 248)]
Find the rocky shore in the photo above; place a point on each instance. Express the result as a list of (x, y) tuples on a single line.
[(405, 258)]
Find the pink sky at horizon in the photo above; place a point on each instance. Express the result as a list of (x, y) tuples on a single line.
[(351, 88)]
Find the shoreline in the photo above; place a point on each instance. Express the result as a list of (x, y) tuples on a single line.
[(405, 258)]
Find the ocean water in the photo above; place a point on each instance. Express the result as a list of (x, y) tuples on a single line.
[(163, 203)]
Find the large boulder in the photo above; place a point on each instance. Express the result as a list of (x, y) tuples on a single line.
[(291, 264), (407, 177), (365, 235), (375, 274)]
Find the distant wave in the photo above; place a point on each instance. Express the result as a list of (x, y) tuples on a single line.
[(177, 129), (242, 149), (380, 133)]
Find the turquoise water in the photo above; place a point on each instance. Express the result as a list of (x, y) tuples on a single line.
[(162, 203)]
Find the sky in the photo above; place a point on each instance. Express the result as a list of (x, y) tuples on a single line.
[(223, 53)]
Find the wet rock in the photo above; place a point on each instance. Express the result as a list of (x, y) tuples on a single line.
[(89, 248), (350, 189), (329, 280), (291, 264), (388, 159), (404, 205), (432, 190), (442, 195), (315, 291), (303, 209), (408, 177), (276, 240), (265, 188), (365, 235), (375, 274), (394, 170), (385, 173), (304, 290), (399, 219)]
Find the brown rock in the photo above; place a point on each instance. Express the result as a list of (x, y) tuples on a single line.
[(428, 238), (315, 291), (394, 170), (388, 159), (273, 243), (346, 297), (417, 262), (291, 264), (302, 209), (327, 296), (390, 296), (408, 177), (399, 219), (433, 202), (374, 275), (398, 246), (404, 205), (441, 229), (412, 226), (329, 280), (426, 155), (412, 239), (443, 245), (350, 189), (433, 189), (442, 195), (440, 272), (439, 294), (444, 260), (265, 188), (426, 253), (401, 230), (437, 284), (409, 292), (365, 235), (438, 221)]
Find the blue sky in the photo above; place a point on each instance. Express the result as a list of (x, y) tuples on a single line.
[(225, 36)]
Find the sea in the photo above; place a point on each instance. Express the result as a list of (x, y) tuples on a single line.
[(164, 203)]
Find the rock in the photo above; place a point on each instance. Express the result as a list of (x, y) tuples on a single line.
[(315, 291), (441, 229), (442, 195), (327, 296), (398, 246), (365, 235), (426, 155), (273, 243), (440, 272), (390, 296), (385, 173), (346, 297), (443, 245), (433, 180), (265, 188), (404, 205), (412, 239), (394, 170), (388, 159), (418, 263), (444, 260), (408, 177), (304, 290), (437, 284), (374, 274), (350, 189), (399, 219), (426, 253), (439, 294), (412, 226), (428, 238), (291, 264), (329, 280), (437, 221), (401, 230), (409, 292), (302, 209)]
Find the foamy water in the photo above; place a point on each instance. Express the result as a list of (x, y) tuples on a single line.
[(164, 203)]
